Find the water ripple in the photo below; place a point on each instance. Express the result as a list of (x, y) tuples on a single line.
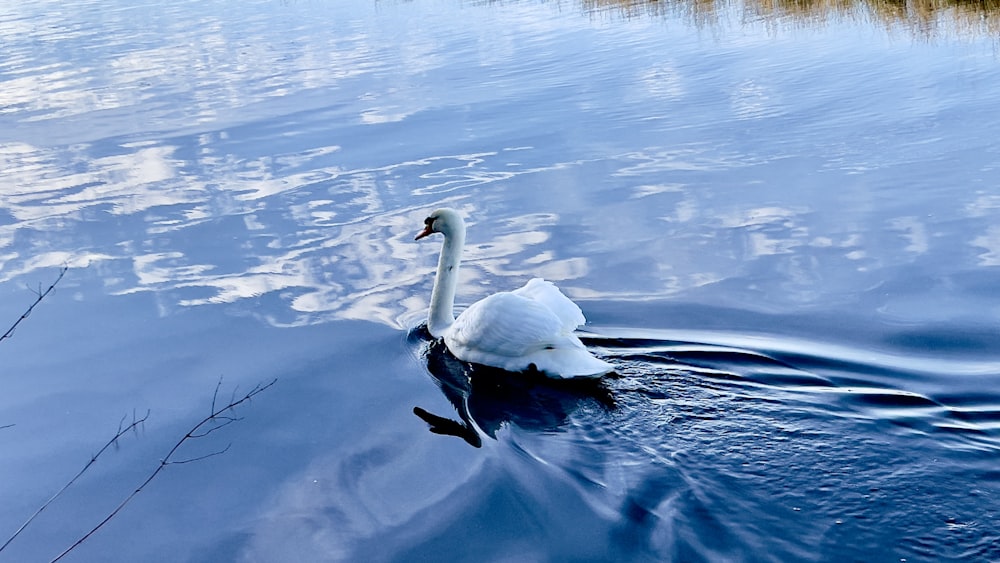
[(774, 451), (807, 377)]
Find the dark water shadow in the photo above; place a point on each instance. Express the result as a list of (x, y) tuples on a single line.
[(487, 398)]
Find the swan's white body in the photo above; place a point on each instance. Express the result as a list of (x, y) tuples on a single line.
[(531, 327)]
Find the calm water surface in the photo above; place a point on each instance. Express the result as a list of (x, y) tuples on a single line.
[(784, 230)]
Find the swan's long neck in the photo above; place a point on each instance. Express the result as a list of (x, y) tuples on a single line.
[(442, 314)]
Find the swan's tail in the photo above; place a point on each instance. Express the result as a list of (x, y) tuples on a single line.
[(570, 363)]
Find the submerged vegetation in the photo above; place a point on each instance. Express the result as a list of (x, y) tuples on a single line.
[(924, 19)]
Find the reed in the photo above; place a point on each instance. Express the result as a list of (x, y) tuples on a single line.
[(923, 19)]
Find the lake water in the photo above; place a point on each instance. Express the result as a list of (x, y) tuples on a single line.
[(782, 223)]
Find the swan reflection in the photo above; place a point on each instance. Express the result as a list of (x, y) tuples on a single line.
[(486, 398)]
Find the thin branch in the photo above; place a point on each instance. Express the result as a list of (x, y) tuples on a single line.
[(215, 395), (40, 295), (226, 421), (6, 426), (201, 457), (121, 432), (195, 432), (233, 396)]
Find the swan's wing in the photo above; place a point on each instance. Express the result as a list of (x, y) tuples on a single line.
[(505, 324), (516, 333), (570, 316)]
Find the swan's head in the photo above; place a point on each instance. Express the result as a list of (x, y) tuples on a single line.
[(445, 221)]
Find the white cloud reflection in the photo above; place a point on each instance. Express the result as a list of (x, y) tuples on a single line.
[(990, 242), (340, 504), (216, 166), (299, 237), (754, 100), (915, 233), (318, 236), (43, 184)]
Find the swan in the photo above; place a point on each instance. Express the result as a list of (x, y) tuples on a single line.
[(528, 329)]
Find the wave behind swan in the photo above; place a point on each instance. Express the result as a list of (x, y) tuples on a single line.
[(723, 446)]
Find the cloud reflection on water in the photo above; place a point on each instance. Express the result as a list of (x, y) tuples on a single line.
[(319, 236), (331, 242), (216, 166), (990, 241)]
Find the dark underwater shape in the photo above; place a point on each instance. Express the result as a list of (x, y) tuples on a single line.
[(487, 398)]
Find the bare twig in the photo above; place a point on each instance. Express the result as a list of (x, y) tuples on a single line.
[(225, 421), (40, 295), (6, 426), (201, 457), (195, 432), (113, 441)]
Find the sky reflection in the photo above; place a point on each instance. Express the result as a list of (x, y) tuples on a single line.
[(209, 171), (267, 165)]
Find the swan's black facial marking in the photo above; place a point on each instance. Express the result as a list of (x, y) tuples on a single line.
[(429, 223), (428, 228)]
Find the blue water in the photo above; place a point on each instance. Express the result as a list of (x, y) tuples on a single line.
[(782, 229)]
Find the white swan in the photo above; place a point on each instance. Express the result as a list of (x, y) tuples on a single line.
[(529, 328)]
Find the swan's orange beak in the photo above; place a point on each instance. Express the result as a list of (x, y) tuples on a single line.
[(427, 230)]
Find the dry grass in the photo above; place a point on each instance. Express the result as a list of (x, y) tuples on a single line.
[(924, 19)]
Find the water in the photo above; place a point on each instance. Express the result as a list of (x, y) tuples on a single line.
[(781, 225)]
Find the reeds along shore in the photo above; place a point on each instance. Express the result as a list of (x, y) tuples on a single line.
[(924, 19)]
